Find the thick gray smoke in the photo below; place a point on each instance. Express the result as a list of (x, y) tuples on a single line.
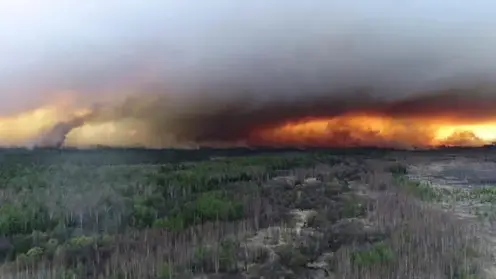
[(56, 135), (215, 71)]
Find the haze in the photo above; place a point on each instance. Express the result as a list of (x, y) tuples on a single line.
[(209, 71)]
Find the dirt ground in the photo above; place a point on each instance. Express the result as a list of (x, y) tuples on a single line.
[(467, 181)]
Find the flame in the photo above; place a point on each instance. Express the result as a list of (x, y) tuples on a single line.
[(343, 131), (380, 131), (485, 132)]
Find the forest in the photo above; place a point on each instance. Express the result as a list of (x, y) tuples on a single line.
[(207, 213)]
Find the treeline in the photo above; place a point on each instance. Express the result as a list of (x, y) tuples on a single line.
[(114, 156)]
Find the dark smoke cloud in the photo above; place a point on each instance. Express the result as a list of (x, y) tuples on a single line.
[(218, 71)]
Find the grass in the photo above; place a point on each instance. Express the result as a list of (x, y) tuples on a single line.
[(147, 218), (421, 190), (415, 240), (379, 253), (479, 201)]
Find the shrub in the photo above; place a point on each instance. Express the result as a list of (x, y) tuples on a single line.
[(398, 169), (379, 253), (291, 257)]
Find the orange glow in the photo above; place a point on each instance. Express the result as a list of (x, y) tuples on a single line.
[(485, 132), (22, 129), (343, 131), (18, 129), (107, 133), (381, 131)]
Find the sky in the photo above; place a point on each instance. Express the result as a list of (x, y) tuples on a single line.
[(258, 53)]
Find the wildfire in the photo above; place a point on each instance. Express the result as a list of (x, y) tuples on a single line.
[(380, 131), (23, 128), (343, 131)]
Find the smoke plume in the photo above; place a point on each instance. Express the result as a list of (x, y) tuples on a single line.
[(230, 72), (56, 135)]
